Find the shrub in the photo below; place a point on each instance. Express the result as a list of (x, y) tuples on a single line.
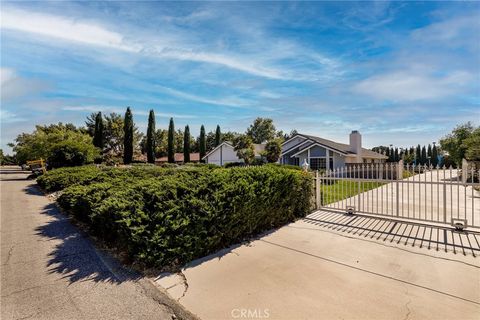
[(169, 216)]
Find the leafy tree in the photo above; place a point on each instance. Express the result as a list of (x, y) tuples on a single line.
[(434, 156), (243, 145), (396, 155), (202, 143), (150, 143), (273, 149), (218, 136), (287, 136), (387, 153), (171, 142), (454, 143), (128, 137), (98, 135), (261, 130), (50, 142), (113, 126), (91, 122), (179, 135), (186, 145), (472, 146), (70, 153)]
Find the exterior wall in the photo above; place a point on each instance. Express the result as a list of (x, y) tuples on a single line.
[(223, 155), (352, 159), (301, 157), (293, 142), (338, 160), (318, 152)]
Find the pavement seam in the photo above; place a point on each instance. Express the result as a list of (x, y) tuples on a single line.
[(386, 245), (372, 272)]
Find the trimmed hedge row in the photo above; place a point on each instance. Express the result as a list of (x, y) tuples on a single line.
[(169, 217), (62, 178)]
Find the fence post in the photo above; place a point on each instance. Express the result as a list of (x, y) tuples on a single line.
[(464, 171), (317, 190), (400, 170), (444, 201)]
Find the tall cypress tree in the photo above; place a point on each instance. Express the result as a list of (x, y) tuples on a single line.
[(186, 145), (424, 155), (151, 137), (418, 155), (396, 156), (429, 152), (128, 137), (98, 135), (203, 143), (218, 136), (434, 156), (171, 142), (387, 153)]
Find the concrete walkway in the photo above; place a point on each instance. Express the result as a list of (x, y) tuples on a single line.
[(49, 270), (307, 270), (420, 197)]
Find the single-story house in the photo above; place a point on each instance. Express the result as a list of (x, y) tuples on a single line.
[(326, 154), (194, 157), (225, 153)]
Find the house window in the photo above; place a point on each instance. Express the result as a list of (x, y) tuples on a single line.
[(331, 164), (318, 163), (296, 161)]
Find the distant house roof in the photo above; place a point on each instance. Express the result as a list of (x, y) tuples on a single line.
[(258, 148), (336, 146), (194, 157)]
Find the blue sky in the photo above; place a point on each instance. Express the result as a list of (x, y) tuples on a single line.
[(400, 72)]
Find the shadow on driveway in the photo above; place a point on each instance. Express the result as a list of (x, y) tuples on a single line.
[(75, 256)]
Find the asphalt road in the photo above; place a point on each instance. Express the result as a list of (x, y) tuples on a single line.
[(51, 270)]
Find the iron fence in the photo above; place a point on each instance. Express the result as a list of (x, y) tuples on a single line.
[(445, 196)]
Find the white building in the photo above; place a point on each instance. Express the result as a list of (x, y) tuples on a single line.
[(225, 153)]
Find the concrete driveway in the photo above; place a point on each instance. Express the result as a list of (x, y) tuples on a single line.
[(420, 197), (309, 270), (50, 270)]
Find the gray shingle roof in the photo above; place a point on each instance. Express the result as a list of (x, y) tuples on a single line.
[(343, 148)]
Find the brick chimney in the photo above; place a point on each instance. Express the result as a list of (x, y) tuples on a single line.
[(356, 144)]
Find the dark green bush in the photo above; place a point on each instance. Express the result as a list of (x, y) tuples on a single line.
[(164, 216), (234, 164)]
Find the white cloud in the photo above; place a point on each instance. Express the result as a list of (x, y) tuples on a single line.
[(88, 33), (9, 117), (14, 86), (228, 101), (121, 110), (411, 85), (62, 28)]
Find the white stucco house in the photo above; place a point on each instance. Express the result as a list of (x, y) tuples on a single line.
[(326, 154), (225, 153)]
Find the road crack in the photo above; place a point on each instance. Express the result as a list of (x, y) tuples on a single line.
[(185, 284), (9, 255)]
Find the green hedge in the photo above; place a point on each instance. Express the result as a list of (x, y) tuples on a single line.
[(172, 216)]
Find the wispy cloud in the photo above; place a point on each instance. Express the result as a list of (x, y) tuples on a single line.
[(63, 28), (412, 85), (89, 33), (121, 110), (228, 101), (10, 117), (14, 86)]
